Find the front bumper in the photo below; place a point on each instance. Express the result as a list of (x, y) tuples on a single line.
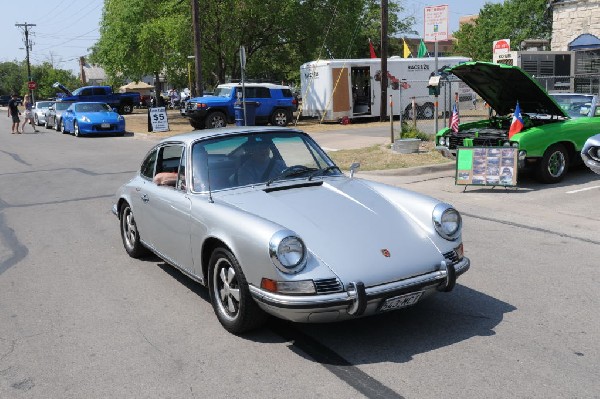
[(357, 300), (590, 163), (446, 152)]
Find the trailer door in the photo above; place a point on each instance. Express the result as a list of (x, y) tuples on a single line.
[(362, 93)]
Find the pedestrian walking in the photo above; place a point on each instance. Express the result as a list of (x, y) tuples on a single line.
[(28, 113), (13, 111)]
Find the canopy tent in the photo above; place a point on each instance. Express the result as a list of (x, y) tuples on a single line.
[(585, 41), (141, 87)]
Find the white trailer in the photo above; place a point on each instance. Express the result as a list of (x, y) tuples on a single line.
[(337, 88)]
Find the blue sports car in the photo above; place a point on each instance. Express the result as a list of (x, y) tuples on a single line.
[(92, 118)]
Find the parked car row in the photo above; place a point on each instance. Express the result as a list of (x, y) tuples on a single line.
[(81, 118)]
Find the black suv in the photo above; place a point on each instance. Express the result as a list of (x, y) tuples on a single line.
[(276, 105), (5, 99)]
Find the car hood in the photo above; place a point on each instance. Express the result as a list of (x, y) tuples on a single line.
[(62, 88), (100, 116), (349, 227), (210, 100), (501, 86)]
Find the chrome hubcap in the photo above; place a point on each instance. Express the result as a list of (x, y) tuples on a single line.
[(129, 228), (556, 164), (226, 289)]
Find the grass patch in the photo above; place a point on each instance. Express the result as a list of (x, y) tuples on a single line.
[(381, 157)]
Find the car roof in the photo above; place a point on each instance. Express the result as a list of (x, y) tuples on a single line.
[(269, 85), (501, 86), (227, 131)]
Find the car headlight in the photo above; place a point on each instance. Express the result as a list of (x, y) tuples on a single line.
[(120, 118), (447, 221), (287, 251), (442, 140), (85, 119)]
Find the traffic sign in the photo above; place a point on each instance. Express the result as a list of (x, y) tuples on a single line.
[(32, 85), (501, 46)]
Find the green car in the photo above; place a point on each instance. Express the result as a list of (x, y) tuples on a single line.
[(549, 142)]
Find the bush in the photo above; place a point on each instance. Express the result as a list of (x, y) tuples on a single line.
[(411, 132)]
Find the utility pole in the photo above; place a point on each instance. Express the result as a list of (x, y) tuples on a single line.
[(25, 27), (384, 46), (197, 48)]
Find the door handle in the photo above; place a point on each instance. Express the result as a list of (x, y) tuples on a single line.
[(145, 198)]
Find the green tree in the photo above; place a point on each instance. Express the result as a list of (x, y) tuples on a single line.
[(141, 37), (516, 20)]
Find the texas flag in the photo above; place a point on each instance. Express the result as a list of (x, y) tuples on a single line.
[(517, 122)]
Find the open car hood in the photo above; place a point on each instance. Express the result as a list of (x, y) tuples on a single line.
[(62, 88), (501, 86)]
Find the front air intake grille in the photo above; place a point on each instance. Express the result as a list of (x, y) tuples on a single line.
[(328, 286), (452, 256)]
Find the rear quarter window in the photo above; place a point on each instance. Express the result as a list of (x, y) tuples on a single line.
[(286, 93)]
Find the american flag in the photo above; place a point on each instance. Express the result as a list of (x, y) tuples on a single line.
[(455, 120)]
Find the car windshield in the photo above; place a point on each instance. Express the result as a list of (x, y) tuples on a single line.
[(44, 104), (60, 106), (575, 105), (258, 158), (91, 107), (222, 92)]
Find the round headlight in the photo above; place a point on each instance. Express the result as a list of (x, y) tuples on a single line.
[(287, 252), (447, 221), (442, 140)]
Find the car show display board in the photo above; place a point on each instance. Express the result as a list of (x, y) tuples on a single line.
[(486, 166), (157, 120)]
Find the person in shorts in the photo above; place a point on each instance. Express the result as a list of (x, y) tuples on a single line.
[(13, 111), (28, 113)]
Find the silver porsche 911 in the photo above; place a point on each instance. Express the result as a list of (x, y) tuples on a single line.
[(265, 219)]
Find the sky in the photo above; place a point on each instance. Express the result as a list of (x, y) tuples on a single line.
[(65, 29)]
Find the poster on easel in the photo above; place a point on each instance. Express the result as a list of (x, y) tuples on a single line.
[(486, 166)]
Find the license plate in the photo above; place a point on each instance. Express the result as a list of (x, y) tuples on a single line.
[(401, 301), (105, 126)]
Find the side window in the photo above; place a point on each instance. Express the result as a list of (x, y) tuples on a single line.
[(287, 93), (147, 169), (99, 91), (86, 92), (181, 176), (167, 165), (251, 92), (263, 92), (597, 111)]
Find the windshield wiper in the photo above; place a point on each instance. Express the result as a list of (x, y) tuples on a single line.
[(295, 170), (321, 172)]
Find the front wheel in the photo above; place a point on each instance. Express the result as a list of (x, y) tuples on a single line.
[(76, 131), (57, 125), (196, 124), (215, 120), (554, 164), (229, 294), (36, 120), (130, 234), (280, 117)]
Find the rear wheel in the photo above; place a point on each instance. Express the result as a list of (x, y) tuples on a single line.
[(215, 120), (554, 164), (427, 111), (63, 129), (280, 117), (130, 234), (230, 297)]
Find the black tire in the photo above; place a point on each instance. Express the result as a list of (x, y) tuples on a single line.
[(408, 112), (76, 129), (62, 127), (57, 124), (36, 121), (130, 234), (46, 125), (229, 294), (196, 124), (127, 108), (427, 111), (554, 164), (120, 134), (215, 120), (280, 117)]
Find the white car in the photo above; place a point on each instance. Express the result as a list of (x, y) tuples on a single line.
[(39, 111)]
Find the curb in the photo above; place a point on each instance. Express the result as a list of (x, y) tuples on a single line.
[(414, 171)]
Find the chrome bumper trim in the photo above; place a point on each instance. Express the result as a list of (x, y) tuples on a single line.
[(345, 299), (445, 151)]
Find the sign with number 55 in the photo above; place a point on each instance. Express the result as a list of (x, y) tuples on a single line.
[(158, 121)]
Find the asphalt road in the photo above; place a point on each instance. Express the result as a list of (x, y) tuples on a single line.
[(80, 319)]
